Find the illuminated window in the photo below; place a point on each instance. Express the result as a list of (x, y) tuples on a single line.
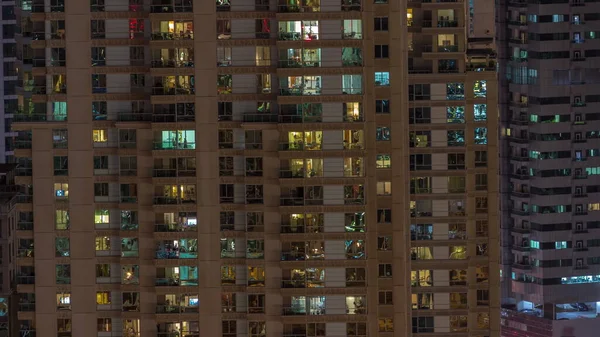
[(560, 245), (101, 216), (63, 301), (100, 136), (103, 297), (385, 324), (61, 190), (104, 324), (102, 243), (384, 188), (382, 78), (383, 161), (480, 89), (61, 219)]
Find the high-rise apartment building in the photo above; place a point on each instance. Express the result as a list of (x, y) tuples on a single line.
[(550, 203), (258, 168), (8, 73)]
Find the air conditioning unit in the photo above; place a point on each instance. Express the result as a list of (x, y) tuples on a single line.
[(577, 99), (579, 226), (577, 55)]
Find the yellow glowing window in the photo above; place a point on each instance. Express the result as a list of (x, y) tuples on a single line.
[(61, 190), (100, 136), (103, 243), (385, 324), (101, 216), (62, 219), (103, 297)]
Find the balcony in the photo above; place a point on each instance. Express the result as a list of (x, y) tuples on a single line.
[(171, 6), (177, 249), (25, 279), (174, 228), (301, 6), (253, 117), (173, 173), (26, 307), (183, 144), (176, 309), (172, 30), (163, 200)]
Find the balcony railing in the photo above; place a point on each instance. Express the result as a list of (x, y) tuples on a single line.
[(167, 145), (259, 118), (172, 63), (175, 309), (162, 36), (174, 200), (174, 227), (25, 279), (172, 173), (184, 6), (174, 282)]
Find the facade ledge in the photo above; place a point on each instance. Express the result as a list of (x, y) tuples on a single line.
[(161, 263), (110, 15), (323, 71), (166, 44), (293, 237), (324, 263), (171, 16), (172, 126), (354, 43), (246, 15), (316, 16), (323, 291), (261, 97), (119, 97), (179, 71), (118, 42), (319, 99), (300, 319), (321, 181), (246, 42), (174, 180), (439, 264), (172, 99), (175, 235), (246, 69), (119, 69)]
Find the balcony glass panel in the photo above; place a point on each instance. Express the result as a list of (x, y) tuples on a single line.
[(354, 167), (355, 249), (353, 139), (302, 223), (172, 58), (356, 305), (176, 139), (300, 85), (352, 29), (352, 84), (177, 249), (297, 58), (297, 6), (174, 85), (447, 43), (173, 30), (309, 140), (298, 30), (355, 222)]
